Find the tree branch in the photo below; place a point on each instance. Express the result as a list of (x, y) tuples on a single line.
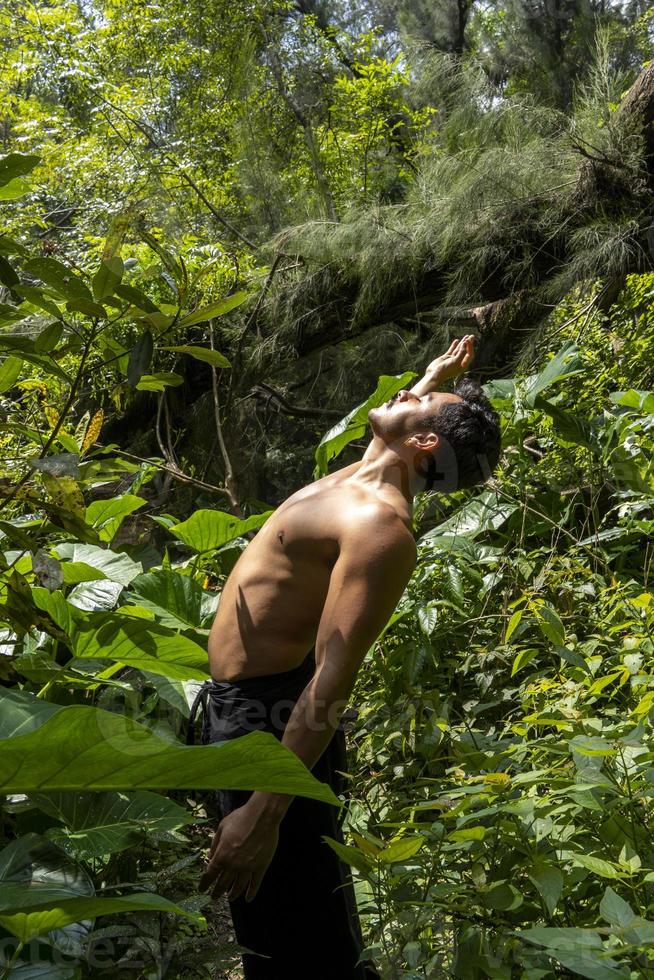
[(230, 482), (267, 393)]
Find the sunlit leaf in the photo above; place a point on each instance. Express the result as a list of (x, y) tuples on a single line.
[(203, 354), (107, 277), (10, 370), (59, 277), (84, 748), (219, 308), (160, 381), (106, 516), (208, 530)]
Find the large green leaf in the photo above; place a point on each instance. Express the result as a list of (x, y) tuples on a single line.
[(615, 910), (84, 748), (578, 950), (95, 824), (548, 879), (16, 188), (12, 314), (107, 277), (563, 365), (48, 339), (178, 601), (9, 246), (25, 347), (95, 596), (116, 566), (140, 358), (159, 381), (16, 165), (43, 890), (23, 970), (106, 516), (569, 426), (8, 275), (207, 530), (139, 643), (57, 607), (642, 401), (80, 571), (571, 938), (59, 277), (136, 298), (35, 876), (10, 370), (35, 872), (35, 920), (353, 426), (38, 298), (22, 712)]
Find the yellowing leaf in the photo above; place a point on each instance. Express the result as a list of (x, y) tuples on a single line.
[(93, 430), (52, 415)]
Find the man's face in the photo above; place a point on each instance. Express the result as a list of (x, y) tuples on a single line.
[(405, 412)]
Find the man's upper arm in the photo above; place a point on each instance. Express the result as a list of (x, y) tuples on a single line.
[(375, 563)]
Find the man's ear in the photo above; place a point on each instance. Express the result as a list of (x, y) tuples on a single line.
[(425, 441)]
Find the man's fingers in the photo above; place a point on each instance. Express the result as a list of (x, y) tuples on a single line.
[(212, 872), (238, 886), (469, 351), (220, 880), (214, 843), (226, 883), (253, 887), (209, 878)]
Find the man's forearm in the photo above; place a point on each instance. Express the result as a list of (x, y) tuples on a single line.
[(430, 381), (308, 733)]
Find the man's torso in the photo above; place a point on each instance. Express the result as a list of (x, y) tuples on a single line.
[(271, 604)]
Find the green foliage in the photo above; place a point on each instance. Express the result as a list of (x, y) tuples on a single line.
[(102, 647), (506, 716)]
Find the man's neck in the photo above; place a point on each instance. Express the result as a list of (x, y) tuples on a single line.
[(386, 474)]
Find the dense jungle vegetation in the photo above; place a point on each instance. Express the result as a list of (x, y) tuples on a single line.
[(229, 229)]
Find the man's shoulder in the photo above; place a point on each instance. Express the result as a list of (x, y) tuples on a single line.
[(376, 525)]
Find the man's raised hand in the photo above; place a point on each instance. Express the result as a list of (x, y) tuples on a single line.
[(456, 359)]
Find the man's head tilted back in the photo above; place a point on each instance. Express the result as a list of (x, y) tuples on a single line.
[(450, 440)]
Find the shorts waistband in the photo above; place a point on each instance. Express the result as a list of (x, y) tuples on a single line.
[(266, 689), (259, 682)]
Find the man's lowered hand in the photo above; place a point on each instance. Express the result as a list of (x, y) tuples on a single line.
[(241, 851)]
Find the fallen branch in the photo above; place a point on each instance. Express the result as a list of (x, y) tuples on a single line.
[(267, 393), (172, 470)]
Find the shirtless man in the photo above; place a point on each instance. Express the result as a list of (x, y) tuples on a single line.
[(324, 575)]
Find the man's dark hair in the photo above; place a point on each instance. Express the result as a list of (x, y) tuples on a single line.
[(472, 428)]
